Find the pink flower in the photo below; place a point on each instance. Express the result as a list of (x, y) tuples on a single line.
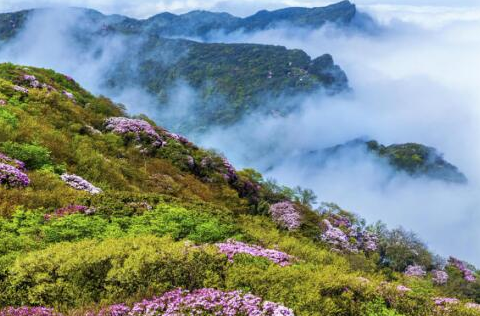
[(415, 271), (439, 277), (403, 288), (468, 275), (286, 215), (123, 126), (79, 183), (12, 177), (232, 247), (20, 89), (201, 302)]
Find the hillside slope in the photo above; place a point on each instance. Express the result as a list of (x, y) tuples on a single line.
[(99, 209)]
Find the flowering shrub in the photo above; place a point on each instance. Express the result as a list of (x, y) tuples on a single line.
[(403, 288), (369, 241), (201, 302), (439, 277), (468, 274), (79, 183), (415, 271), (31, 80), (12, 176), (473, 306), (444, 301), (68, 95), (28, 311), (232, 247), (341, 232), (13, 162), (178, 138), (20, 89), (336, 237), (123, 126), (286, 215), (231, 174), (68, 210)]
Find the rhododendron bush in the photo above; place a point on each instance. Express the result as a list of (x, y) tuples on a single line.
[(286, 215), (232, 247), (201, 302), (415, 271), (13, 162), (28, 311), (78, 183), (343, 235), (139, 128), (468, 274), (439, 277), (12, 177)]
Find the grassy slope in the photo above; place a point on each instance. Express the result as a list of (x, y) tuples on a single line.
[(126, 251)]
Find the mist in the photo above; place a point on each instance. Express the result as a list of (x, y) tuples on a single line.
[(414, 82), (411, 82)]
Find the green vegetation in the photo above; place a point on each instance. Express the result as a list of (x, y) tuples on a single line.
[(228, 80), (418, 160), (161, 209)]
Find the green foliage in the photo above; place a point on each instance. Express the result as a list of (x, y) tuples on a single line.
[(34, 156), (73, 274)]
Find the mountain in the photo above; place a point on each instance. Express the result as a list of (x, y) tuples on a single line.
[(414, 159), (98, 208), (202, 24), (229, 80)]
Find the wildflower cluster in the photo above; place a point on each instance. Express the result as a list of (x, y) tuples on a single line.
[(285, 215), (232, 247), (472, 305), (32, 81), (336, 237), (3, 102), (343, 235), (12, 177), (178, 138), (139, 128), (200, 302), (69, 95), (68, 210), (13, 162), (403, 288), (20, 89), (415, 271), (443, 302), (439, 277), (468, 274), (78, 183), (231, 174), (28, 311)]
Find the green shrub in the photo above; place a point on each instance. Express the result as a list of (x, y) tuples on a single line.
[(75, 274), (34, 156)]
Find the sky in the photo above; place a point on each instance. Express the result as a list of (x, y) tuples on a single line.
[(147, 8), (416, 82)]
